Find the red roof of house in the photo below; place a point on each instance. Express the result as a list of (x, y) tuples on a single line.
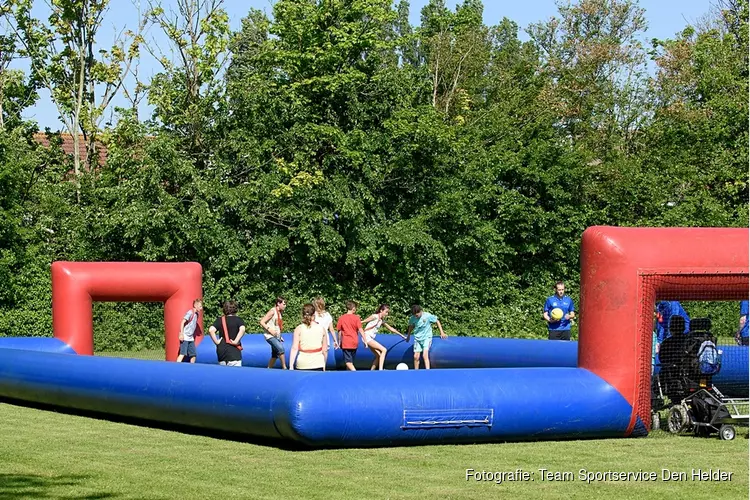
[(67, 146)]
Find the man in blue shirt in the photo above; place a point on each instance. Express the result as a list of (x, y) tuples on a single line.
[(664, 312), (559, 329), (743, 331)]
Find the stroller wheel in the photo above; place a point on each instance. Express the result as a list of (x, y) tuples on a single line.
[(655, 421), (727, 432), (678, 419)]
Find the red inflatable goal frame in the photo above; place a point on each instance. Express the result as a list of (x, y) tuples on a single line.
[(624, 271), (76, 285)]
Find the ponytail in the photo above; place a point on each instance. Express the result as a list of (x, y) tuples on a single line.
[(308, 313)]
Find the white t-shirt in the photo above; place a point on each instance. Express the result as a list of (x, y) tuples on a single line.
[(192, 321), (324, 320), (372, 327)]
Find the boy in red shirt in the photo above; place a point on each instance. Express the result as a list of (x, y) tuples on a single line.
[(348, 326)]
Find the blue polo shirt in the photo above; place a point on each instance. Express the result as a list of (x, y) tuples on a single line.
[(566, 304), (744, 312), (667, 309)]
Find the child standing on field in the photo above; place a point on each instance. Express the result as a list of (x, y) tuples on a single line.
[(187, 332), (227, 332), (310, 344), (324, 319), (349, 327), (272, 323), (420, 324), (374, 322)]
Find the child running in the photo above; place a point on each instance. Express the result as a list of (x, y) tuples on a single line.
[(324, 319), (187, 331), (272, 323), (420, 323), (348, 326), (310, 344), (374, 322)]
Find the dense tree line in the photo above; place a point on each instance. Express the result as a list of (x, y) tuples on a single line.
[(335, 149)]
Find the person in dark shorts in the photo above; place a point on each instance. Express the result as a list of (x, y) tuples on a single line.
[(350, 330), (227, 332)]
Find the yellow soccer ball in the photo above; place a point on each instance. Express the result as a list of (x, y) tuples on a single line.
[(556, 314)]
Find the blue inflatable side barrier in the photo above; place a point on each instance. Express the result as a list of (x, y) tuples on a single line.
[(484, 403), (328, 409), (453, 352)]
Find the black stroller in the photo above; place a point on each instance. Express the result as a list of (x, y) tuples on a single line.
[(688, 363), (680, 373)]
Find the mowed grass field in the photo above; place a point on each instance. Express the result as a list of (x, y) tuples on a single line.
[(45, 454)]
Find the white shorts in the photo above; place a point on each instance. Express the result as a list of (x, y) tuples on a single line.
[(369, 337), (230, 363)]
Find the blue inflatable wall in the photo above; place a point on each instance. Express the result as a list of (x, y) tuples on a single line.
[(337, 409), (41, 344), (328, 409), (453, 352), (475, 352)]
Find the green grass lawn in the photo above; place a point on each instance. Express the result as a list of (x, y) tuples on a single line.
[(52, 455)]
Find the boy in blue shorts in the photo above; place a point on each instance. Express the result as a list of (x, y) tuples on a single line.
[(187, 332), (420, 323)]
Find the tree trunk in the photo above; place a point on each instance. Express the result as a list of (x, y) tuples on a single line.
[(77, 165)]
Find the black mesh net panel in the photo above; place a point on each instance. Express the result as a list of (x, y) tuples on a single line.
[(695, 337)]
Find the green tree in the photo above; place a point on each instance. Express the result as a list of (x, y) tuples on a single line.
[(595, 64), (188, 95), (65, 60), (16, 92), (698, 140), (455, 48)]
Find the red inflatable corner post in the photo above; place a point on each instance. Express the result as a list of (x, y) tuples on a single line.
[(624, 271), (76, 285)]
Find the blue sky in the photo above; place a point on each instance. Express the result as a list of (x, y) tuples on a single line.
[(664, 17)]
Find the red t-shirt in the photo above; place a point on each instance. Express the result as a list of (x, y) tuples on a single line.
[(349, 325)]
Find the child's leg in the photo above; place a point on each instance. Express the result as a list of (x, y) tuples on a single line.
[(277, 351), (375, 356), (349, 355), (183, 351), (426, 355), (383, 352), (419, 347), (191, 353), (379, 351), (271, 362)]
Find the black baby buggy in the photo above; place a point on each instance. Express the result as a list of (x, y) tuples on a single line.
[(688, 364)]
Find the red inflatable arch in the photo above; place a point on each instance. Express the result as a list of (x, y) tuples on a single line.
[(624, 271), (76, 285)]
